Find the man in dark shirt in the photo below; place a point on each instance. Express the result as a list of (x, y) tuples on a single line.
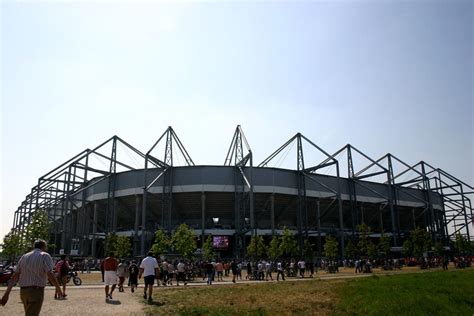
[(133, 275)]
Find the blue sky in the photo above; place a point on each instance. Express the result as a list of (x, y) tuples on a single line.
[(385, 76)]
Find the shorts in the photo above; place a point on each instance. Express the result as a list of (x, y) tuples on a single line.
[(149, 279), (62, 279), (133, 280), (110, 277)]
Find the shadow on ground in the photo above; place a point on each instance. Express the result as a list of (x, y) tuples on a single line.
[(155, 303)]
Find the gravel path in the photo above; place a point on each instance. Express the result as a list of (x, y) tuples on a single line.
[(83, 300)]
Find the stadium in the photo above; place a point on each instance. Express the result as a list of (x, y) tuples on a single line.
[(117, 188)]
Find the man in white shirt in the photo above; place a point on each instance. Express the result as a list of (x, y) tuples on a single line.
[(181, 272), (302, 267), (150, 270), (268, 269), (280, 271)]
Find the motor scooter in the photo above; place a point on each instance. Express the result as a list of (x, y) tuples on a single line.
[(5, 276), (75, 279)]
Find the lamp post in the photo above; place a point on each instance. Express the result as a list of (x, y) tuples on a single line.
[(246, 222)]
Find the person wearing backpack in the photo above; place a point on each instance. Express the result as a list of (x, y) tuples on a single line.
[(62, 269)]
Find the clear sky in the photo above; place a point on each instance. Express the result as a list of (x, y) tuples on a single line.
[(384, 76)]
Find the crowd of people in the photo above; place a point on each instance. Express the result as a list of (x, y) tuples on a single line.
[(37, 267), (169, 272)]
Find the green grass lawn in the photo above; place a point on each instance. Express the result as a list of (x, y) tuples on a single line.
[(432, 293)]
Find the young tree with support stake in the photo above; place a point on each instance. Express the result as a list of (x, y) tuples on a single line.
[(288, 243), (38, 228), (308, 251), (351, 250), (364, 241), (438, 249), (274, 248), (330, 251), (184, 241), (111, 243), (462, 245), (256, 248), (123, 247), (161, 244), (207, 249), (384, 245), (417, 244), (13, 245)]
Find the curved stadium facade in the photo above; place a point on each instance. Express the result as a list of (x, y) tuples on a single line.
[(96, 192)]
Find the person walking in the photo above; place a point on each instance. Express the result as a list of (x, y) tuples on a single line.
[(164, 266), (181, 268), (62, 269), (149, 269), (249, 271), (102, 271), (302, 267), (445, 262), (33, 269), (234, 267), (122, 273), (280, 271), (268, 270), (110, 275), (209, 272), (133, 275), (219, 269)]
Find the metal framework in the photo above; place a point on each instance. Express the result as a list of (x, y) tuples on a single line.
[(166, 171), (79, 223), (305, 174), (243, 188), (61, 193)]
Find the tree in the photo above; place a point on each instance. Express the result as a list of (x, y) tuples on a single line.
[(384, 245), (184, 241), (12, 245), (38, 228), (274, 248), (207, 249), (421, 241), (331, 247), (123, 247), (439, 248), (308, 251), (257, 247), (408, 248), (161, 243), (371, 250), (351, 250), (461, 245), (364, 240), (111, 243), (288, 244)]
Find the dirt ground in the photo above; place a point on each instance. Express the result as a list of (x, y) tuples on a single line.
[(81, 300)]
